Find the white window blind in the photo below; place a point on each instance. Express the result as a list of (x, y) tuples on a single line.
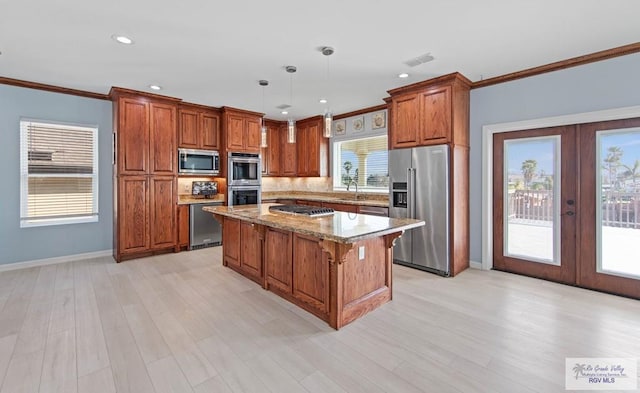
[(59, 173), (363, 161)]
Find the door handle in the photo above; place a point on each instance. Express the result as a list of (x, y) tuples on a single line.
[(569, 213)]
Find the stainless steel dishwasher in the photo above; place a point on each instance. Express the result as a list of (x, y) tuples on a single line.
[(204, 230)]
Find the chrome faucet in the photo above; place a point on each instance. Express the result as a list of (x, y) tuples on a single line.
[(355, 196)]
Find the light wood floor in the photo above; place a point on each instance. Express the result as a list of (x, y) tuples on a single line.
[(183, 323)]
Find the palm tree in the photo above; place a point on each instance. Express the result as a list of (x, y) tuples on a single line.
[(579, 369), (528, 171), (614, 154), (347, 165), (633, 172)]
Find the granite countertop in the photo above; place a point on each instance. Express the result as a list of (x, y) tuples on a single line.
[(190, 199), (344, 198), (340, 227)]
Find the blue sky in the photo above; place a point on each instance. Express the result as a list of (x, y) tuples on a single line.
[(542, 151)]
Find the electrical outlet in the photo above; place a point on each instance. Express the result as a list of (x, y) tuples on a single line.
[(186, 188), (361, 253)]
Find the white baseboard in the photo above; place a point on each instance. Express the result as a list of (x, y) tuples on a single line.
[(475, 265), (53, 261)]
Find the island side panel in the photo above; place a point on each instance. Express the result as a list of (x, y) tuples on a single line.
[(251, 236), (278, 248), (231, 242), (365, 283), (311, 272)]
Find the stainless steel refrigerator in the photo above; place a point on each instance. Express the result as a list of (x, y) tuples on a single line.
[(419, 188)]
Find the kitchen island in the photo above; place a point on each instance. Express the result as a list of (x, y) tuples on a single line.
[(337, 267)]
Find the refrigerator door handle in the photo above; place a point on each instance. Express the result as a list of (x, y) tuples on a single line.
[(411, 208)]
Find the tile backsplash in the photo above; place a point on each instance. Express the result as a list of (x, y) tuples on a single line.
[(321, 184), (184, 184)]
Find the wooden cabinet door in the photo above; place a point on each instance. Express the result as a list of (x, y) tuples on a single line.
[(162, 146), (231, 241), (235, 132), (310, 276), (210, 130), (406, 112), (264, 152), (133, 137), (435, 126), (302, 141), (278, 260), (253, 137), (341, 207), (273, 151), (250, 250), (162, 209), (308, 203), (289, 155), (133, 209), (188, 129), (183, 226), (313, 149)]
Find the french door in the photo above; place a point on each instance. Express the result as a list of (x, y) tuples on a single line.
[(567, 204)]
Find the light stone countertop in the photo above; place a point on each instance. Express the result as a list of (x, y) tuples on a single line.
[(344, 199), (340, 227), (189, 199)]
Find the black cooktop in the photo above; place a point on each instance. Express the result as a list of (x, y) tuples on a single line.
[(311, 211)]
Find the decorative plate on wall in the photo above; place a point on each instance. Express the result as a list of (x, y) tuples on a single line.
[(358, 124), (340, 127), (378, 120)]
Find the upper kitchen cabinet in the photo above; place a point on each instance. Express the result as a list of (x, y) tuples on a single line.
[(198, 127), (432, 112), (288, 154), (145, 135), (271, 153), (241, 130), (312, 148)]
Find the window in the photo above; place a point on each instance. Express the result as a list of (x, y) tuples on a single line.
[(363, 161), (58, 174)]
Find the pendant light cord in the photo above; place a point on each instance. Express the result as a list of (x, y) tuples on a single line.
[(291, 89)]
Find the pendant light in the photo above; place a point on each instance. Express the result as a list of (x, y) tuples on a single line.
[(291, 123), (263, 127), (328, 116)]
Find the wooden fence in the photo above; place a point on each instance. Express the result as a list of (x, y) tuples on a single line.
[(619, 209)]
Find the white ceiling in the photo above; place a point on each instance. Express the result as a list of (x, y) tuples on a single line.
[(213, 53)]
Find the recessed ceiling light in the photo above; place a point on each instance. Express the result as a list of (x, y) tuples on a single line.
[(122, 39), (284, 112), (323, 100), (155, 87), (403, 75)]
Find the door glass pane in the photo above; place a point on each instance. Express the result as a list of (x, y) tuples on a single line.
[(531, 199), (618, 196)]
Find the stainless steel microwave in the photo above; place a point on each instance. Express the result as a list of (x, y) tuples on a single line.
[(198, 162)]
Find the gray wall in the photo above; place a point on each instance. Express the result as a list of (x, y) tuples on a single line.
[(608, 84), (26, 244)]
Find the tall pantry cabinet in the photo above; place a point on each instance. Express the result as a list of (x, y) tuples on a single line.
[(436, 112), (145, 186)]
